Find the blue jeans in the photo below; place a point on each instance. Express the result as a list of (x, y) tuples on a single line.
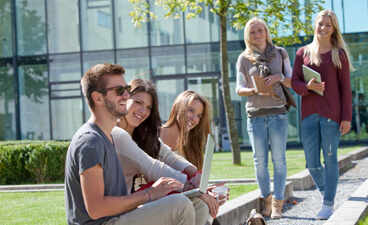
[(320, 132), (269, 132)]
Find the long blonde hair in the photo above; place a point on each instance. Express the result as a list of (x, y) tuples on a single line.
[(190, 144), (248, 43), (337, 42)]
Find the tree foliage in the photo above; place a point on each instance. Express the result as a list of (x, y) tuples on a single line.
[(288, 20)]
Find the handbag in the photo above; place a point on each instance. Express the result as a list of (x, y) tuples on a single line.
[(290, 101), (255, 218)]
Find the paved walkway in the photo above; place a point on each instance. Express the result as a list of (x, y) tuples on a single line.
[(310, 201)]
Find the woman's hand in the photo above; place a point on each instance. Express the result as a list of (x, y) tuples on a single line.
[(314, 86), (271, 79), (345, 127), (212, 203), (194, 181), (221, 199)]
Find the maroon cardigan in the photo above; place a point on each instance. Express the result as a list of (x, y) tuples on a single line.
[(336, 102)]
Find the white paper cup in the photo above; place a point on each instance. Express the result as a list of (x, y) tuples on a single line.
[(221, 191)]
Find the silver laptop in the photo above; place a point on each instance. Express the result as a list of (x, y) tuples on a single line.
[(205, 171)]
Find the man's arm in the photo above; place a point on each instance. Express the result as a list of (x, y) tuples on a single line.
[(98, 205)]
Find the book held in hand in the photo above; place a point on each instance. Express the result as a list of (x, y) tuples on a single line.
[(260, 86), (309, 74)]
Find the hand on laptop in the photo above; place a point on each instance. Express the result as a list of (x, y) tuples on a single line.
[(162, 187), (194, 181)]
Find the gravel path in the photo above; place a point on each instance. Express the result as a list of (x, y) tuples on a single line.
[(310, 201)]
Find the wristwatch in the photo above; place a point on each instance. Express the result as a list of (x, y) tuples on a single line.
[(282, 77)]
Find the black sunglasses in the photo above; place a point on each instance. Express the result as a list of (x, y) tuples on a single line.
[(119, 90)]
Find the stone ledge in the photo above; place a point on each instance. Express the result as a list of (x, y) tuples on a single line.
[(34, 187)]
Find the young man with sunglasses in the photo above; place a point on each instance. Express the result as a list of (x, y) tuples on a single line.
[(95, 189)]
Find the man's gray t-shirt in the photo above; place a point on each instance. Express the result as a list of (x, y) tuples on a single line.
[(88, 148)]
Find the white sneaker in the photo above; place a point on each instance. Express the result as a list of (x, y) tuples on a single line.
[(325, 212)]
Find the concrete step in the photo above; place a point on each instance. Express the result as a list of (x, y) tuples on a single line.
[(36, 187)]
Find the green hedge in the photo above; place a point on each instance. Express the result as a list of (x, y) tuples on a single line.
[(32, 162)]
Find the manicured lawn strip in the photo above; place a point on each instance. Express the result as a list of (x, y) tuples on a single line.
[(32, 208), (238, 190)]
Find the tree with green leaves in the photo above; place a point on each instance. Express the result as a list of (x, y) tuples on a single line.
[(288, 20)]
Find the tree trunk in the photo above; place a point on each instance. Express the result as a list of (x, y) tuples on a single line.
[(231, 126)]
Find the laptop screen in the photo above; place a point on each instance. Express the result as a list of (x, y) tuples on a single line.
[(206, 170)]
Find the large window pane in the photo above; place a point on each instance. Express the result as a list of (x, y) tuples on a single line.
[(199, 29), (97, 30), (7, 102), (65, 67), (240, 115), (67, 117), (31, 27), (356, 16), (93, 58), (166, 31), (337, 8), (358, 45), (127, 36), (168, 60), (167, 91), (63, 26), (202, 58), (34, 102), (6, 41), (135, 63), (234, 50)]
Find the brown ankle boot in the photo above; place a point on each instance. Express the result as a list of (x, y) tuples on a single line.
[(276, 208), (266, 208)]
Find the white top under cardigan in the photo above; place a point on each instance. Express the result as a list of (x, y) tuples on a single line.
[(135, 161)]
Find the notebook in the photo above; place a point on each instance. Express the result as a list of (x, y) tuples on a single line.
[(205, 171), (309, 74), (260, 86)]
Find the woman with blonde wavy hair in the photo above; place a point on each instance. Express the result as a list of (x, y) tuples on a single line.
[(324, 117)]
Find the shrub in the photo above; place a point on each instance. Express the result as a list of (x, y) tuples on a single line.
[(38, 162)]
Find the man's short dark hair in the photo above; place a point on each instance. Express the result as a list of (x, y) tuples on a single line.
[(95, 79)]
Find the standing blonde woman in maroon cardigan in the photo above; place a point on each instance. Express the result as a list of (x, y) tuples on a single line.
[(324, 118)]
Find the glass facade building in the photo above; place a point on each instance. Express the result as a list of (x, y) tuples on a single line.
[(46, 46)]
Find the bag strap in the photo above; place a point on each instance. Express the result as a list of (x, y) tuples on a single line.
[(282, 55)]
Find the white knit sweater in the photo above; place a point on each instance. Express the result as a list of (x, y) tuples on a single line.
[(135, 161)]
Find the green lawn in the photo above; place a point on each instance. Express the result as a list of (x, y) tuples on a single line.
[(48, 207), (32, 208)]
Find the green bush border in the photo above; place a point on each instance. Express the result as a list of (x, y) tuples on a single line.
[(24, 162)]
